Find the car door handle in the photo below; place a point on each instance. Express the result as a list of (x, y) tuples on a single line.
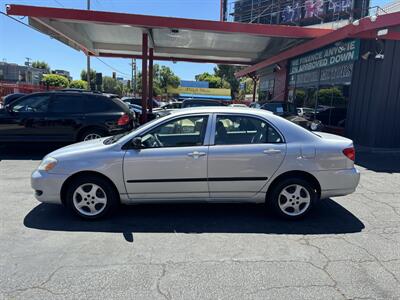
[(272, 151), (196, 154)]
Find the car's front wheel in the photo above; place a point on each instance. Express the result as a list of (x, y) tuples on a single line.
[(91, 197), (293, 198)]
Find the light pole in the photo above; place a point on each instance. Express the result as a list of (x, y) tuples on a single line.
[(88, 57)]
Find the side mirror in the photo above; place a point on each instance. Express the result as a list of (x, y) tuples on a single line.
[(8, 108), (137, 143)]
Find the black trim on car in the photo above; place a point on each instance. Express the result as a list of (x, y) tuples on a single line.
[(200, 179)]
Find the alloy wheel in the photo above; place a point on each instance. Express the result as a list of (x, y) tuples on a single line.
[(92, 136), (294, 200), (89, 199)]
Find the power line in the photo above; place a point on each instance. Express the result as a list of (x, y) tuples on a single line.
[(111, 67), (59, 3), (28, 25)]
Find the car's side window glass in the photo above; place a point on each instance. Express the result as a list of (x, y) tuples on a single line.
[(67, 104), (233, 130), (35, 103), (181, 132)]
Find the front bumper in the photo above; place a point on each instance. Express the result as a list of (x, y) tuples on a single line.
[(338, 182), (47, 186)]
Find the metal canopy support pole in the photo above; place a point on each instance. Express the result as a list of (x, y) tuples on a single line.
[(254, 88), (144, 77), (151, 50)]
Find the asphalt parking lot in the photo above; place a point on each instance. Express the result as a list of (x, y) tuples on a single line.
[(349, 247)]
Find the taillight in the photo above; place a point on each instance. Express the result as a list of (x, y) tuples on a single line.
[(123, 120), (350, 153)]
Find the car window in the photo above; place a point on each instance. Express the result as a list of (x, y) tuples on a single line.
[(96, 104), (67, 104), (233, 130), (34, 103), (181, 132)]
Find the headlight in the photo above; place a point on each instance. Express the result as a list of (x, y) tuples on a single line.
[(47, 164), (315, 125)]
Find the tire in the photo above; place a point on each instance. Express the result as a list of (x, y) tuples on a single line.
[(91, 133), (91, 197), (293, 198)]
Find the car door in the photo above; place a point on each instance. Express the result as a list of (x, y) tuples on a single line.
[(172, 163), (65, 117), (244, 153), (24, 119)]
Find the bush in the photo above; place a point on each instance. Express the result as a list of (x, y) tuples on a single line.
[(78, 84), (55, 80)]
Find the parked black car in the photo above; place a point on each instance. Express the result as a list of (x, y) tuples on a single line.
[(11, 97), (287, 111), (138, 101), (63, 116)]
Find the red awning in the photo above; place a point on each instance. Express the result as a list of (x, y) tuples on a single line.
[(369, 28)]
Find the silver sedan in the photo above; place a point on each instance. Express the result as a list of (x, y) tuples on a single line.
[(214, 154)]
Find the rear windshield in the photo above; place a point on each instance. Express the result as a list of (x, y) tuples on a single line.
[(97, 104)]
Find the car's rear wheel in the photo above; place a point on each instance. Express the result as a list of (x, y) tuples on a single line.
[(91, 134), (91, 197), (293, 198)]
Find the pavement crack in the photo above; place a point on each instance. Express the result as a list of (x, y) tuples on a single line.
[(166, 295)]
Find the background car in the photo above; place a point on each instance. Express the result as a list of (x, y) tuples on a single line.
[(238, 105), (138, 101), (10, 98), (202, 102), (63, 116), (288, 111)]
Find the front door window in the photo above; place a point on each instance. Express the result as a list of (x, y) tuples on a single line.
[(181, 132)]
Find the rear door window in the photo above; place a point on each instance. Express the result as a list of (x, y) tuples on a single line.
[(98, 104), (69, 104)]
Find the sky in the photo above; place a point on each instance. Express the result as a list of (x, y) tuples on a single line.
[(18, 41)]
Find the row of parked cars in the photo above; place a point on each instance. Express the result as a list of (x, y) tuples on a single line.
[(75, 115)]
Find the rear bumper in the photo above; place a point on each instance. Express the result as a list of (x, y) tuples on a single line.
[(47, 186), (338, 182)]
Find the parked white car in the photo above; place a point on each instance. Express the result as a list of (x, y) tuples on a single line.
[(215, 154)]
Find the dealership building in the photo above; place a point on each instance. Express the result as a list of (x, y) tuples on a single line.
[(337, 59), (352, 84)]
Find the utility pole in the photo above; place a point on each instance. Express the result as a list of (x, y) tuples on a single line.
[(88, 57), (133, 79)]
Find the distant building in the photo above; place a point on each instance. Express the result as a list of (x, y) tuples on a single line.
[(12, 72), (62, 73)]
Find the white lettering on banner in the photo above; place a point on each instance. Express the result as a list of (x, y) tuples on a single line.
[(338, 53)]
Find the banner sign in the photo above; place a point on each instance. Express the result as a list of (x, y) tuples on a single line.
[(199, 91), (338, 53)]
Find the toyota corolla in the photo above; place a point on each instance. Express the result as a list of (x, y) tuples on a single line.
[(213, 154)]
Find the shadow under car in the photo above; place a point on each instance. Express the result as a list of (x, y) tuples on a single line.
[(327, 217)]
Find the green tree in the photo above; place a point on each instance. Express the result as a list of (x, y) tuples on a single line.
[(41, 65), (55, 80), (227, 73), (92, 76), (112, 86), (165, 78), (78, 84), (214, 81)]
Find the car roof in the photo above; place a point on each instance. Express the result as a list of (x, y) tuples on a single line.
[(222, 109)]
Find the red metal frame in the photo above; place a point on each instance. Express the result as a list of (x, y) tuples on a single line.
[(151, 51), (164, 58), (165, 22), (348, 31), (144, 77)]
